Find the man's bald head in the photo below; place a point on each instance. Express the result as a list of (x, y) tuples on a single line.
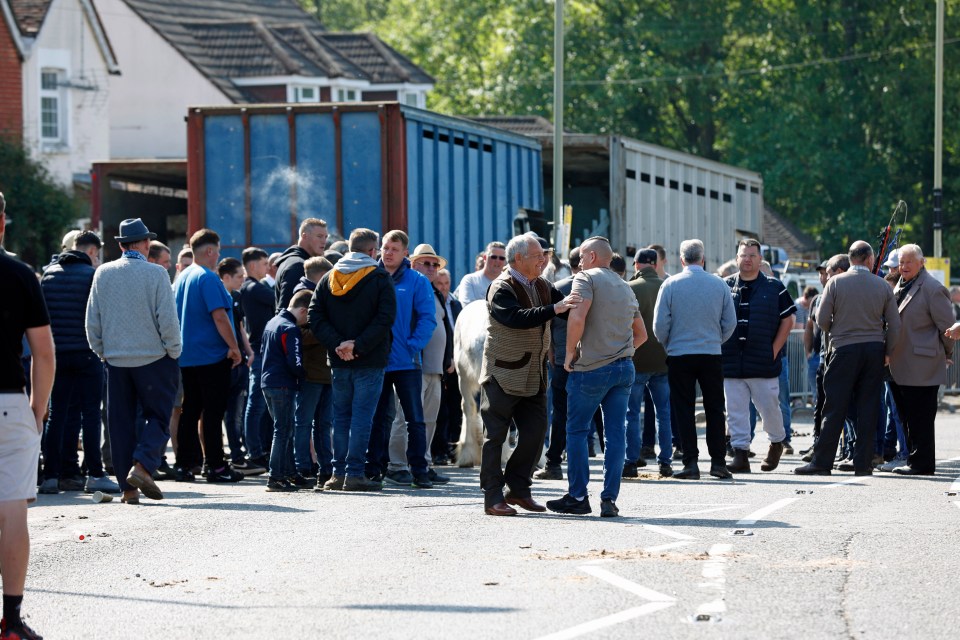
[(595, 252), (861, 253)]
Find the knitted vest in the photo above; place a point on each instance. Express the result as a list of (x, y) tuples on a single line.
[(749, 351), (516, 358)]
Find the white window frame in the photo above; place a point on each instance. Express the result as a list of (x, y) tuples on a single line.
[(346, 94), (54, 61), (54, 94), (298, 91)]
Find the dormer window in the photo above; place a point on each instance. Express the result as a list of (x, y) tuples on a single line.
[(306, 94), (346, 95)]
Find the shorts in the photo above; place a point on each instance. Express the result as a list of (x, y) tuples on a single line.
[(19, 449)]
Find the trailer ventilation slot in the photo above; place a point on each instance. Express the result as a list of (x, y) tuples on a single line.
[(714, 195), (687, 187), (488, 147), (631, 174), (428, 134), (741, 186), (644, 177), (701, 191), (659, 181), (727, 197), (458, 141), (754, 189), (674, 184)]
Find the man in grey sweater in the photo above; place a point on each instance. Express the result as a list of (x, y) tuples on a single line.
[(859, 314), (693, 317), (132, 325)]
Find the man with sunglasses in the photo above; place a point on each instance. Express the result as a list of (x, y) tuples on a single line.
[(474, 285)]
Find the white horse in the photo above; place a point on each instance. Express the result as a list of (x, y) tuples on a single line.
[(469, 336)]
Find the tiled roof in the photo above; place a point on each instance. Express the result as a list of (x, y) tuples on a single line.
[(780, 232), (524, 125), (29, 15), (230, 39)]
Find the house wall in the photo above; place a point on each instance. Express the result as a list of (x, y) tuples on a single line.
[(66, 41), (11, 83), (274, 93), (149, 99)]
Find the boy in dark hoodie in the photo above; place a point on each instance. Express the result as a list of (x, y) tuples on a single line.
[(352, 313), (280, 380)]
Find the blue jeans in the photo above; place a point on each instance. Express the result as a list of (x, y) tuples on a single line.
[(280, 404), (659, 388), (813, 363), (355, 395), (409, 387), (256, 406), (785, 409), (895, 437), (609, 388), (77, 393), (313, 414), (234, 416)]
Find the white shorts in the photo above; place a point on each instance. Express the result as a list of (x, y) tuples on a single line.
[(19, 448)]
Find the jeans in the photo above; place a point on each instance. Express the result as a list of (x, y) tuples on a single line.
[(895, 437), (609, 388), (785, 409), (355, 395), (236, 404), (657, 385), (280, 404), (813, 364), (313, 414), (153, 387), (558, 424), (78, 383), (256, 408), (408, 385)]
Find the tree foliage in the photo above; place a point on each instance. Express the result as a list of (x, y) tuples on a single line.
[(41, 210), (830, 100)]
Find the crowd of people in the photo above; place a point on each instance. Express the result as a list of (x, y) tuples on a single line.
[(330, 366)]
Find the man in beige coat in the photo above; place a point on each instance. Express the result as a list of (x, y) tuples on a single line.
[(918, 363)]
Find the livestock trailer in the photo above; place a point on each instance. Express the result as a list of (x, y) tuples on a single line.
[(639, 194), (255, 172)]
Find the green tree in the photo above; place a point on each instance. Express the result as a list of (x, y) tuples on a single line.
[(41, 210)]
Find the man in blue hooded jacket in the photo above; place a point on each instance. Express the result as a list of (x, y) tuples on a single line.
[(412, 329)]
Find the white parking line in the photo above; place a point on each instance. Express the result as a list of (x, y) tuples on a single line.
[(658, 601), (853, 480), (714, 571), (760, 514), (669, 545), (693, 513), (667, 532)]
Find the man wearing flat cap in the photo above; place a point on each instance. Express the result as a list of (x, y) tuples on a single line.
[(132, 325)]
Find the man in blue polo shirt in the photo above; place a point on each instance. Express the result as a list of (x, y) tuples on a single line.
[(210, 351)]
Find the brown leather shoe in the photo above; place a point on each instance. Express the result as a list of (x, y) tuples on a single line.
[(501, 509), (145, 483), (525, 503), (773, 457)]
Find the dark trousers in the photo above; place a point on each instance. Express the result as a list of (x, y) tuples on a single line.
[(917, 407), (74, 410), (236, 405), (854, 374), (558, 427), (684, 373), (821, 398), (206, 389), (649, 436), (153, 387), (449, 417), (408, 385), (498, 410)]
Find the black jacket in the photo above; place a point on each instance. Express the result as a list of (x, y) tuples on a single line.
[(748, 352), (257, 300), (289, 272), (66, 288), (364, 314)]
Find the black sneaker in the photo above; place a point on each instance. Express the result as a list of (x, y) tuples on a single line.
[(436, 478), (164, 472), (300, 482), (400, 478), (248, 467), (181, 474), (224, 475), (281, 485), (72, 483), (641, 462), (608, 509), (567, 504), (21, 632), (666, 471), (629, 470), (647, 453), (422, 482), (678, 454)]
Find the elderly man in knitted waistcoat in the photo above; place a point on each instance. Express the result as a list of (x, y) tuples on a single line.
[(513, 378)]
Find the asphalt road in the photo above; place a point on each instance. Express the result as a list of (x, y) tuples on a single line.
[(825, 557)]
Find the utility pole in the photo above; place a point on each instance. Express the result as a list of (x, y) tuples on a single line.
[(558, 128), (938, 141)]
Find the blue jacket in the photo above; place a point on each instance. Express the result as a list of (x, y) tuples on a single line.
[(281, 353), (66, 288), (415, 320)]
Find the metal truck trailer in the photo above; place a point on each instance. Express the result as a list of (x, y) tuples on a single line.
[(639, 194), (255, 172)]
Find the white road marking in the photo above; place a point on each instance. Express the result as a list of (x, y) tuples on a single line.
[(658, 602), (714, 571), (760, 514), (692, 513), (853, 480), (608, 621), (664, 547), (667, 532), (958, 504)]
